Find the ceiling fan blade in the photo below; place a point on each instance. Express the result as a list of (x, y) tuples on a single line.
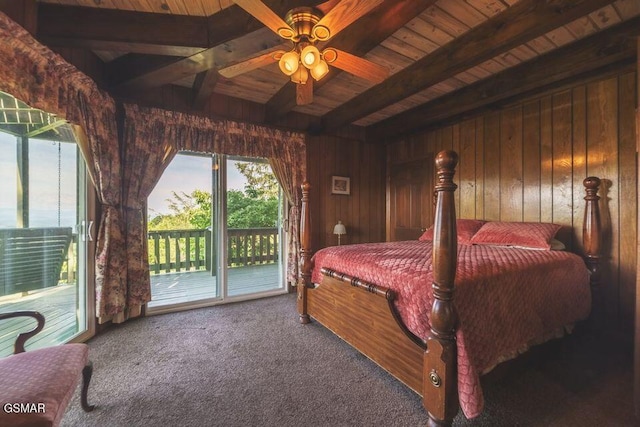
[(358, 66), (342, 15), (248, 65), (268, 17), (327, 6)]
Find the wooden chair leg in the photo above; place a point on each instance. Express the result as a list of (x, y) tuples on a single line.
[(87, 371)]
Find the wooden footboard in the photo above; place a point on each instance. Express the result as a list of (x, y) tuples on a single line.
[(363, 314)]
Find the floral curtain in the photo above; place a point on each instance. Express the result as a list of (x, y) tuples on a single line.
[(39, 77), (289, 180), (110, 258), (148, 149)]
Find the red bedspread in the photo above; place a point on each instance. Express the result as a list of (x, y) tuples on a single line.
[(507, 298)]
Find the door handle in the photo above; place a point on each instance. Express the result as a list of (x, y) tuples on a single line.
[(90, 231), (86, 230)]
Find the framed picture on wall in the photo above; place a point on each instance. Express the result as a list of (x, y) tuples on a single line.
[(340, 185)]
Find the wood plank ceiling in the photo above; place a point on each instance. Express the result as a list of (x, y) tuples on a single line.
[(435, 51)]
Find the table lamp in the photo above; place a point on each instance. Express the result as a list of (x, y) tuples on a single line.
[(339, 229)]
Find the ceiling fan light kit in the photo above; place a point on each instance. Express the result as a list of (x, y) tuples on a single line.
[(304, 32), (309, 57)]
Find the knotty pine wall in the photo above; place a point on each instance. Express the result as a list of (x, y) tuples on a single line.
[(362, 212), (526, 162)]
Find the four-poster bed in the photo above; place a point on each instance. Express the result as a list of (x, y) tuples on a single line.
[(415, 331)]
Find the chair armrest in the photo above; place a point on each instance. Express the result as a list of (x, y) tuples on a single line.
[(23, 337)]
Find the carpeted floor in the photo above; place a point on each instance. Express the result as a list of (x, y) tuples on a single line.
[(252, 364)]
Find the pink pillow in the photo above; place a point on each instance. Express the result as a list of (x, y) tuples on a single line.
[(466, 228), (531, 235)]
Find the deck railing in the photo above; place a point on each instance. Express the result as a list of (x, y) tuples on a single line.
[(251, 246), (179, 250), (191, 250)]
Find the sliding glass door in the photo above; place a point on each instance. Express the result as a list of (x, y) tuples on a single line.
[(214, 232), (43, 225), (181, 239), (252, 228)]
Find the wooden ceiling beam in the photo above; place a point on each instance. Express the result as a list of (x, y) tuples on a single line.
[(122, 31), (203, 87), (522, 22), (128, 66), (207, 59), (592, 54), (358, 39), (233, 35)]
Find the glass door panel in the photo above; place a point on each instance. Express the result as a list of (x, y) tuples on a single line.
[(181, 240), (253, 234), (42, 258)]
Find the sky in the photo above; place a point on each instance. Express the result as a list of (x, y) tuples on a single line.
[(186, 173), (43, 177)]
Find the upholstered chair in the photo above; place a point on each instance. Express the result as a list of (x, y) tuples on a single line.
[(36, 386)]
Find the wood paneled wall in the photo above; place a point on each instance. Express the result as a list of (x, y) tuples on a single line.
[(24, 12), (526, 162), (363, 211)]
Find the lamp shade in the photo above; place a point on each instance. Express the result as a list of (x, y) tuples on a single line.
[(289, 63), (300, 76), (310, 56), (339, 228), (320, 70)]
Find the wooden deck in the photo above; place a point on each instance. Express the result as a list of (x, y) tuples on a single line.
[(174, 288), (58, 304)]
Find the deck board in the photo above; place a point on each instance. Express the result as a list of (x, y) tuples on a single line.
[(190, 286), (58, 304)]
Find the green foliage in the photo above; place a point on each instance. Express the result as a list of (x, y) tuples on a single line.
[(244, 211), (178, 219), (200, 214), (261, 182), (256, 206)]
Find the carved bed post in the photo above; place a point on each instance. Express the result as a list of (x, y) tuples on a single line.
[(305, 254), (591, 242), (440, 376)]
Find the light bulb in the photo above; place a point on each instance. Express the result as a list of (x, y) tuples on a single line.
[(310, 56)]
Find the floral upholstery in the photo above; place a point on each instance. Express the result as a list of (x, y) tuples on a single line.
[(47, 376)]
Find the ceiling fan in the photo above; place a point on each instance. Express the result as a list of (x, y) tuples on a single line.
[(307, 28)]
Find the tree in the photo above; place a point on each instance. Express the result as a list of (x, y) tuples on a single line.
[(261, 182), (256, 206), (244, 211), (178, 219), (188, 211)]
